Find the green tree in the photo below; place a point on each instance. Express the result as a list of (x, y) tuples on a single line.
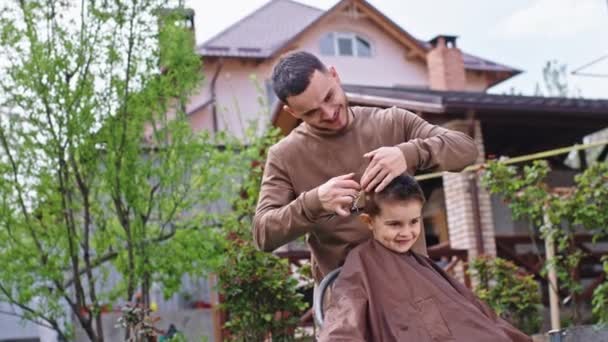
[(555, 81), (99, 169)]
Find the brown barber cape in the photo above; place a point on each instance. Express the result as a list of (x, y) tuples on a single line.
[(384, 296)]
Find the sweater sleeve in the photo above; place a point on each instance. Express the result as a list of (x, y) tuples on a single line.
[(280, 216), (431, 147)]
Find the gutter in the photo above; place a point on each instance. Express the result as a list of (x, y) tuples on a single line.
[(390, 102)]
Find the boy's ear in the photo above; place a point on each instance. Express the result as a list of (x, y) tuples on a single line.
[(365, 218)]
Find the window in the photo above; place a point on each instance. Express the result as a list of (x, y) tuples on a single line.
[(364, 48), (345, 44), (327, 45)]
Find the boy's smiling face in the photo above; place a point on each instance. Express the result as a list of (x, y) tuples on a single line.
[(397, 225)]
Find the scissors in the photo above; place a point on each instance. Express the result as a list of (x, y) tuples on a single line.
[(357, 205)]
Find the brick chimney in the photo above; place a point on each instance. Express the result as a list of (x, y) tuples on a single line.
[(445, 64)]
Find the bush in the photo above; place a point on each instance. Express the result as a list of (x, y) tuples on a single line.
[(260, 295), (512, 294), (600, 299)]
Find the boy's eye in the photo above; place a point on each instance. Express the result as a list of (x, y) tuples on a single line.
[(415, 221), (328, 97)]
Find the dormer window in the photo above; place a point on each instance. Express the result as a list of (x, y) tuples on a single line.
[(345, 44)]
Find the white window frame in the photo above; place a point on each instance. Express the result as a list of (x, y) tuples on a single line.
[(353, 39)]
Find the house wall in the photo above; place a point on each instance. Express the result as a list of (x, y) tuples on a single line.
[(239, 88)]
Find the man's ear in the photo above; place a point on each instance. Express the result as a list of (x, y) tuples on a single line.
[(365, 218), (290, 111), (334, 73)]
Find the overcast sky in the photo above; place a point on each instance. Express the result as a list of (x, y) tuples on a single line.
[(520, 33)]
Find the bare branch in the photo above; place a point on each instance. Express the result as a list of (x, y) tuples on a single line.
[(8, 313), (52, 322)]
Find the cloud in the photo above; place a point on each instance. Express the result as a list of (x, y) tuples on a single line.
[(555, 19)]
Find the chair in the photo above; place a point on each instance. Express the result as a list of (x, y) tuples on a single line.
[(319, 296)]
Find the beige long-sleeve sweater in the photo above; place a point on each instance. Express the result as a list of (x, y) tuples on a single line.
[(289, 207)]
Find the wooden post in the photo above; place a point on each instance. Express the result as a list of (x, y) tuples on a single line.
[(217, 314), (552, 275)]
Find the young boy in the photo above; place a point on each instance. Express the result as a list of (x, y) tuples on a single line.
[(385, 292)]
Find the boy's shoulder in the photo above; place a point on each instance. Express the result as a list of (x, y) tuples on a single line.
[(361, 249), (370, 251), (357, 255)]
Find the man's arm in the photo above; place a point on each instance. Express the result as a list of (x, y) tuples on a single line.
[(426, 147), (431, 147), (282, 217)]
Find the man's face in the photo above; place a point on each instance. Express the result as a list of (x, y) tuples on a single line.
[(323, 104), (398, 224)]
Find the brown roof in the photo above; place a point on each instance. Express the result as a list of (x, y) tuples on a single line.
[(262, 32), (452, 101), (265, 31)]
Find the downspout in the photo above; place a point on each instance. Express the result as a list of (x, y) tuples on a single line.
[(213, 95)]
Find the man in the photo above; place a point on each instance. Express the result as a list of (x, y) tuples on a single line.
[(309, 181)]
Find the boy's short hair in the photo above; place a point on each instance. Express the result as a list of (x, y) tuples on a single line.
[(402, 188), (291, 76)]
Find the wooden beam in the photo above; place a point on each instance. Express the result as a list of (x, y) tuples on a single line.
[(582, 160), (525, 238), (603, 154), (299, 254), (396, 32), (588, 291), (306, 318), (511, 255), (448, 268)]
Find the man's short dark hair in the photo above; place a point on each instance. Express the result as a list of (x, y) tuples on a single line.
[(291, 76), (402, 188)]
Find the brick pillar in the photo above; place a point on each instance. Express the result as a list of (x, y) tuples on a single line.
[(445, 65), (459, 203)]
